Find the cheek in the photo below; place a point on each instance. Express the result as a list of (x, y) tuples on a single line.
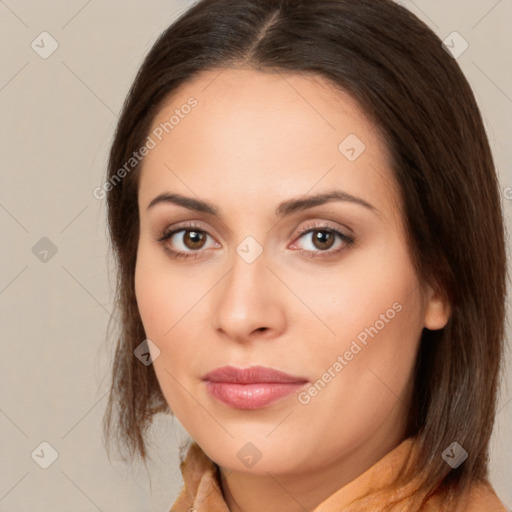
[(163, 312), (161, 293), (170, 300), (373, 308), (353, 296), (151, 301)]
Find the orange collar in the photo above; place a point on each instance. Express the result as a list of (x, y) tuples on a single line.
[(370, 491)]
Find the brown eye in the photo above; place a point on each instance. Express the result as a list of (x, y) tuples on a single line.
[(194, 240), (323, 239), (187, 242)]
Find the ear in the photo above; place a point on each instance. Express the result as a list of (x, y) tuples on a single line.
[(437, 309)]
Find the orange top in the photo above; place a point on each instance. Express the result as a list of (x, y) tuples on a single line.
[(202, 490)]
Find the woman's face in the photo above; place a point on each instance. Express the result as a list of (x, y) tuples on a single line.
[(299, 264)]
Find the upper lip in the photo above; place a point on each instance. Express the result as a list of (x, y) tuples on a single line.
[(251, 375)]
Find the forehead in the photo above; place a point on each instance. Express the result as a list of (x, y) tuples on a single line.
[(306, 105), (254, 132)]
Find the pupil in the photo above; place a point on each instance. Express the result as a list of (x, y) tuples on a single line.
[(324, 238), (195, 238)]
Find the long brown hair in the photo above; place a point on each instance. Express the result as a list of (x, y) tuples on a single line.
[(401, 76)]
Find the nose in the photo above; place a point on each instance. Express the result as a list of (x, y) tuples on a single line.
[(249, 302)]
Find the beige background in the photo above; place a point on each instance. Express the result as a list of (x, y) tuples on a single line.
[(58, 115)]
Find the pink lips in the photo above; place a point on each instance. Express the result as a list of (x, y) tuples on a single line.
[(250, 388)]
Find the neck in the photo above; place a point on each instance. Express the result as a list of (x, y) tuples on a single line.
[(302, 492)]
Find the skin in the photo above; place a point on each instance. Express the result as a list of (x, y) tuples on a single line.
[(255, 140)]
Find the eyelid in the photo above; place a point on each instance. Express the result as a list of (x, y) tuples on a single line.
[(184, 226), (348, 240), (324, 224), (320, 224), (169, 232)]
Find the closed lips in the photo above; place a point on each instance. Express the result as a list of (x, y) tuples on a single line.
[(252, 375)]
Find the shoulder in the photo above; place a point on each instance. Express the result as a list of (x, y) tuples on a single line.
[(482, 497)]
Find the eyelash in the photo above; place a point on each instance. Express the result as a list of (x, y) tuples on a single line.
[(348, 241)]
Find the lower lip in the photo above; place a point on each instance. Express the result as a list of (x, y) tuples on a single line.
[(251, 396)]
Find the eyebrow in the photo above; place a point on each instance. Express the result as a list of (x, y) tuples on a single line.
[(285, 208)]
